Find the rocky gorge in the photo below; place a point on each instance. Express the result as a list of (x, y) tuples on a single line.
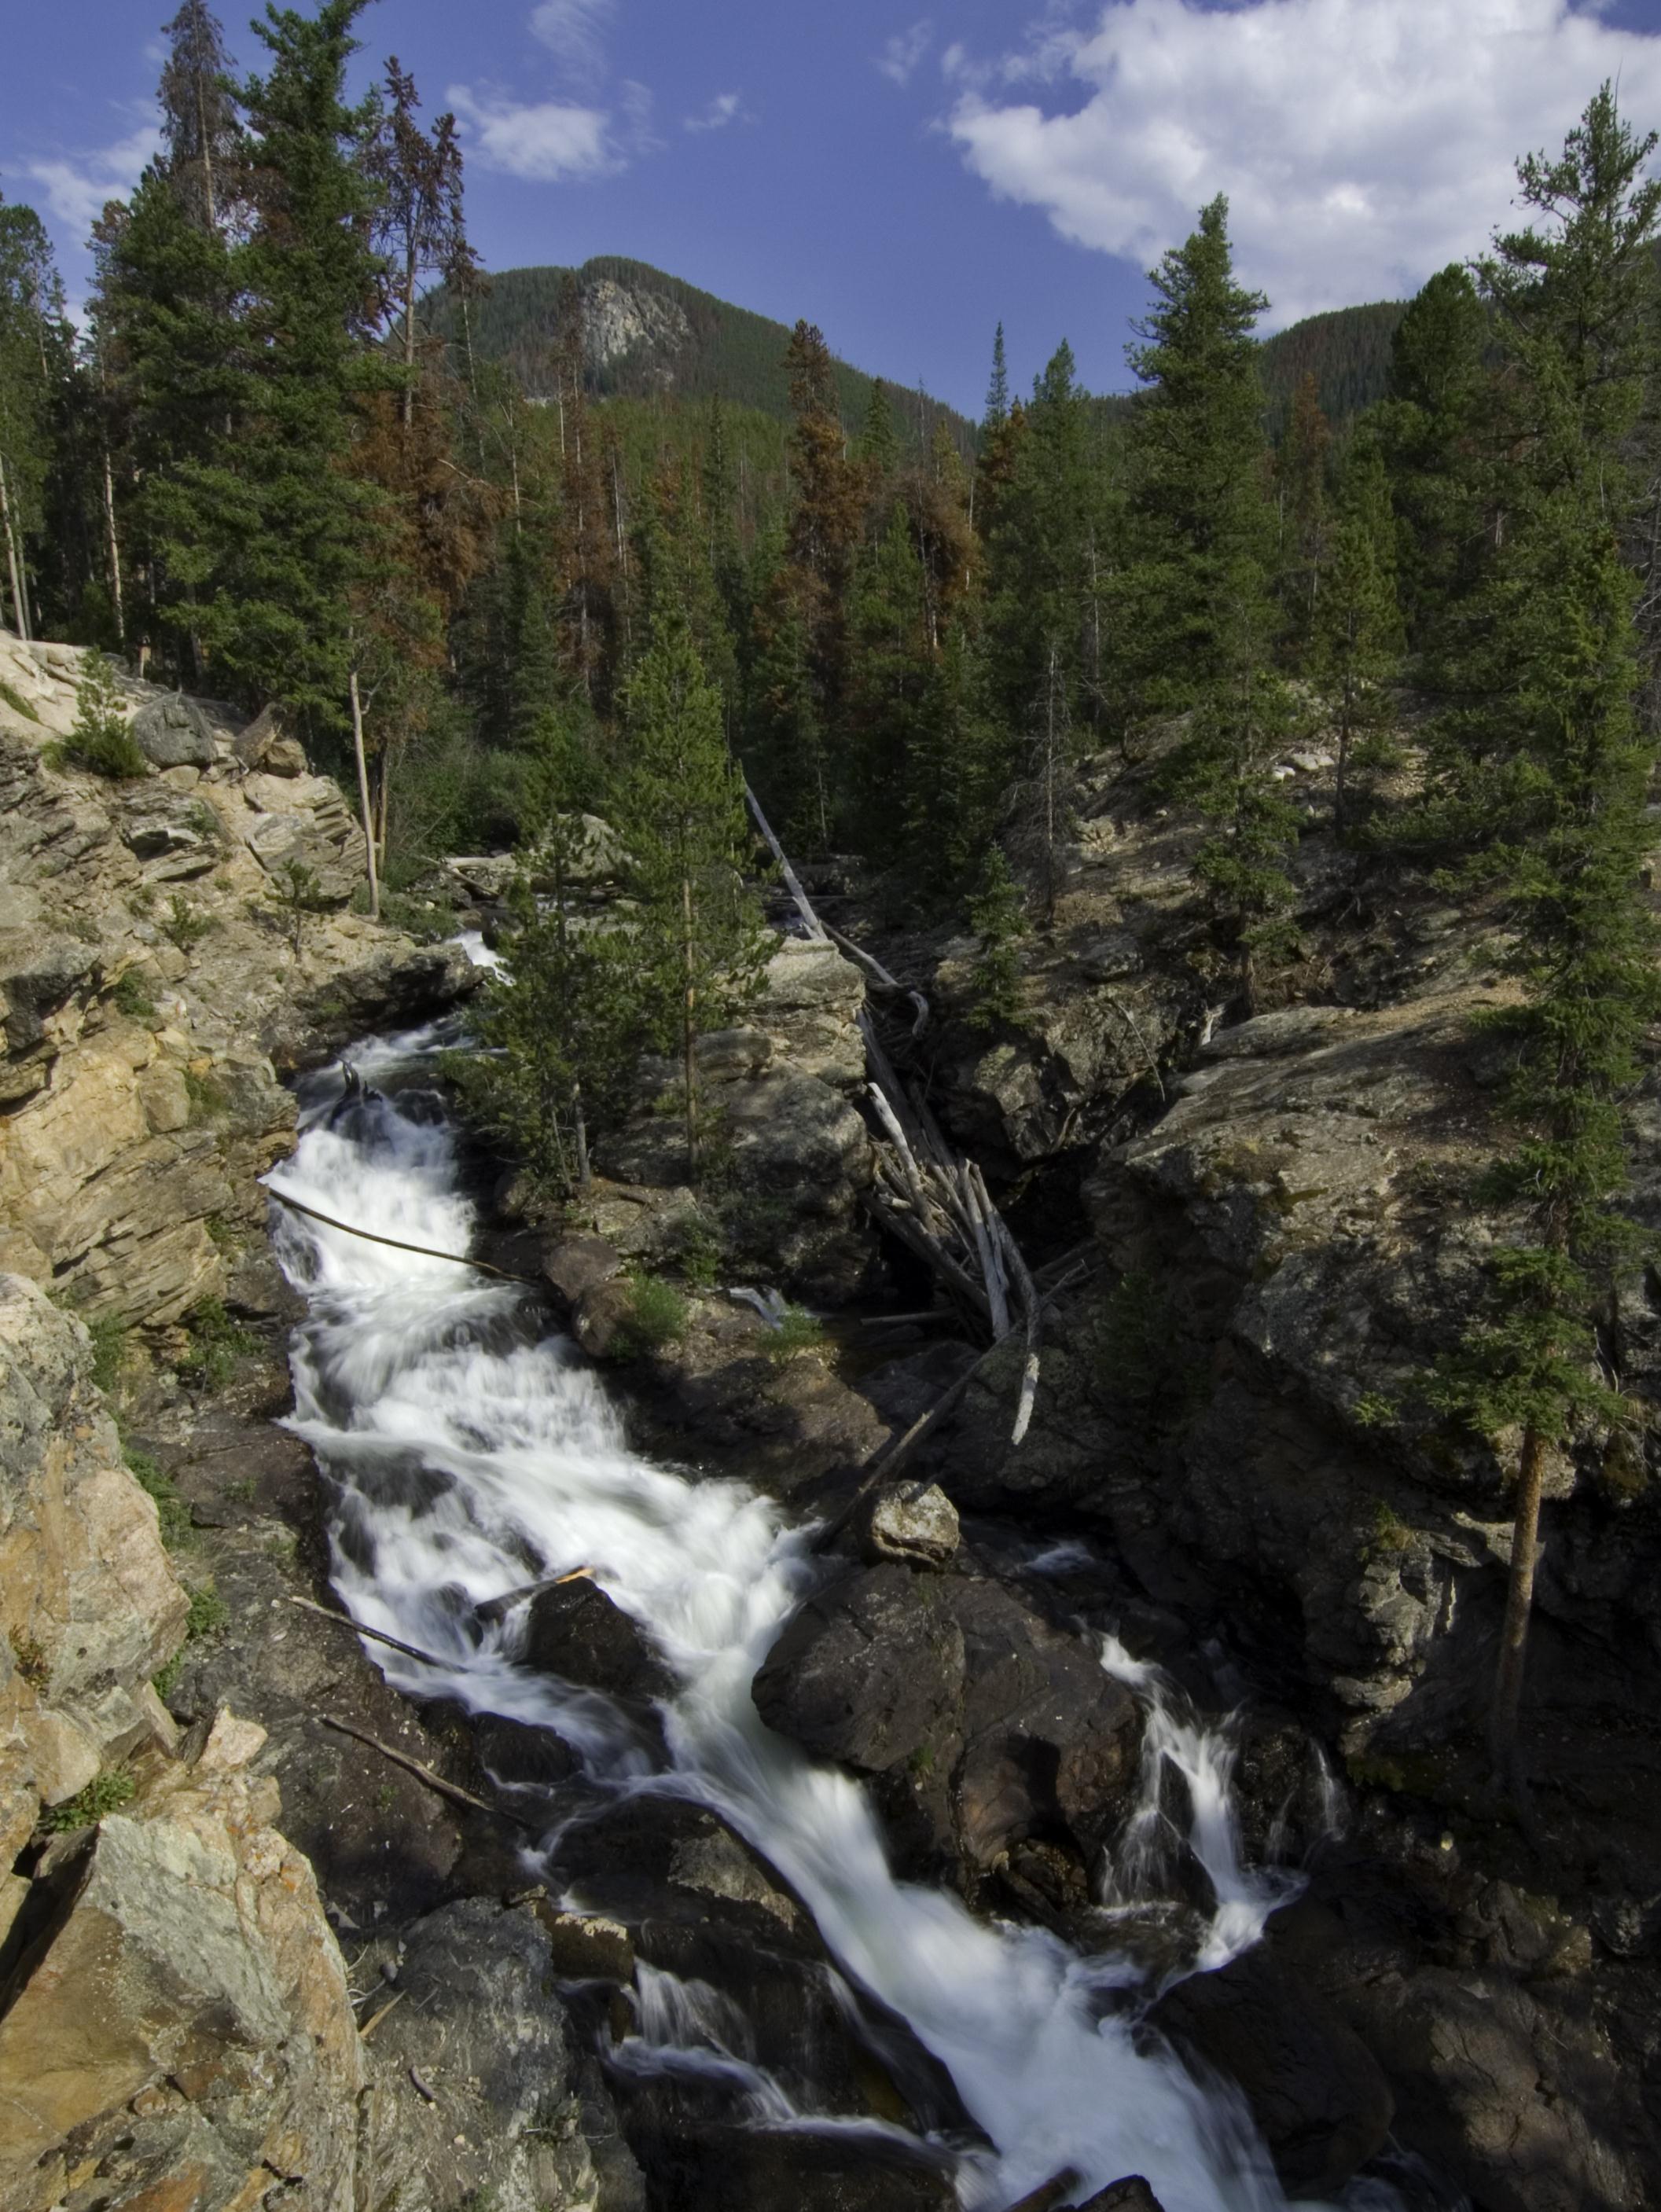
[(389, 1999)]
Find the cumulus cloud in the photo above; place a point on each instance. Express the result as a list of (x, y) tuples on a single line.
[(75, 186), (1361, 145), (721, 110), (544, 143), (900, 57)]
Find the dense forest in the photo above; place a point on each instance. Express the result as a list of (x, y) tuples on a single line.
[(492, 601)]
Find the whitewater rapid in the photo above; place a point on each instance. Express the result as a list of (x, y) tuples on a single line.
[(471, 1461)]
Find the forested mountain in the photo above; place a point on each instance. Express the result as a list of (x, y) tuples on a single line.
[(648, 334), (1346, 351)]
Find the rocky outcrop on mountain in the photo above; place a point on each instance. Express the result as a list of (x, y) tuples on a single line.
[(167, 945), (179, 2032), (89, 1605)]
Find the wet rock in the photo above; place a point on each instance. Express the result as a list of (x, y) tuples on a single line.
[(719, 2167), (575, 1630), (517, 1756), (869, 1671), (1317, 2094), (173, 733), (913, 1524), (512, 2116), (1130, 2195), (577, 1264), (986, 1726)]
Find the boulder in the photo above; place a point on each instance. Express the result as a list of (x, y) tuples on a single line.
[(869, 1671), (810, 1005), (986, 1728), (516, 2117), (575, 1630), (576, 1264), (913, 1523), (175, 835), (1130, 2195), (173, 733), (183, 2032), (1319, 2095), (265, 746)]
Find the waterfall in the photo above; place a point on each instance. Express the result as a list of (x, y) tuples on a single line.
[(471, 1460)]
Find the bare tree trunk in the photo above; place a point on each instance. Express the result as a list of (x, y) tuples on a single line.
[(585, 1176), (113, 547), (407, 405), (20, 604), (363, 796), (1519, 1602)]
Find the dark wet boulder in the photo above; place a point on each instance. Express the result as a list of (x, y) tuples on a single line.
[(718, 2167), (986, 1726), (1316, 2091), (1130, 2195), (870, 1671), (575, 1630), (914, 1524)]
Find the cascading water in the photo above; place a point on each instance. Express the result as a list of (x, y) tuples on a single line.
[(471, 1462)]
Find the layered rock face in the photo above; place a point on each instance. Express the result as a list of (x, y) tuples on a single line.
[(167, 945), (90, 1606)]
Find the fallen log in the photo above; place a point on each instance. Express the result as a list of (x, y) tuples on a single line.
[(375, 1635), (436, 1783), (398, 1244)]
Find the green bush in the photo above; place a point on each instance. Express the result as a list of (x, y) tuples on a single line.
[(108, 1333), (209, 1099), (171, 1509), (130, 997), (657, 1316), (797, 1332), (101, 739), (106, 1793), (216, 1342), (185, 924)]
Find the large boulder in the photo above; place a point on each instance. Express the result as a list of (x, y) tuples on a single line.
[(184, 2033), (574, 1630), (986, 1728), (1316, 2092), (173, 733)]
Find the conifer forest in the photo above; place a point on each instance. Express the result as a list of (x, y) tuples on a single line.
[(1321, 646)]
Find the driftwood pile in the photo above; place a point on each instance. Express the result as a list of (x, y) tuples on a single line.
[(928, 1197)]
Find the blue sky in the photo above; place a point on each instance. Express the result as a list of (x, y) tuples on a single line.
[(907, 174)]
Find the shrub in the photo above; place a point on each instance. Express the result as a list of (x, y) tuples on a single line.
[(130, 997), (216, 1344), (101, 739), (16, 701), (657, 1316), (106, 1793), (797, 1331), (172, 1512), (108, 1333), (209, 1099), (998, 915), (185, 925)]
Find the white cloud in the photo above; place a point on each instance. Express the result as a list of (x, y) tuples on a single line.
[(75, 186), (1362, 143), (574, 32), (721, 110), (900, 57), (544, 143)]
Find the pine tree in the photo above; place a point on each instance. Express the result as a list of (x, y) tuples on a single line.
[(1200, 527), (879, 443), (1301, 482), (997, 390), (1551, 769), (204, 157), (997, 915), (679, 811), (1436, 431), (1356, 645), (419, 225), (887, 680), (33, 363)]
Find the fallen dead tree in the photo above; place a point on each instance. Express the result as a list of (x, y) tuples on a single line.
[(926, 1195)]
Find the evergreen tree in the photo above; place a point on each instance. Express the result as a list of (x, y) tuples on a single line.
[(1195, 594), (419, 225), (879, 443), (33, 366), (200, 131), (997, 390), (679, 811), (1039, 535), (1551, 769), (1435, 431), (1356, 645), (997, 915), (959, 765), (1301, 482), (887, 681)]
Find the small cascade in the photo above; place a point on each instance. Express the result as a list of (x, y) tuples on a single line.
[(472, 1457)]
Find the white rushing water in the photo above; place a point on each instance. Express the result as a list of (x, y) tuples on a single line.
[(472, 1463)]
